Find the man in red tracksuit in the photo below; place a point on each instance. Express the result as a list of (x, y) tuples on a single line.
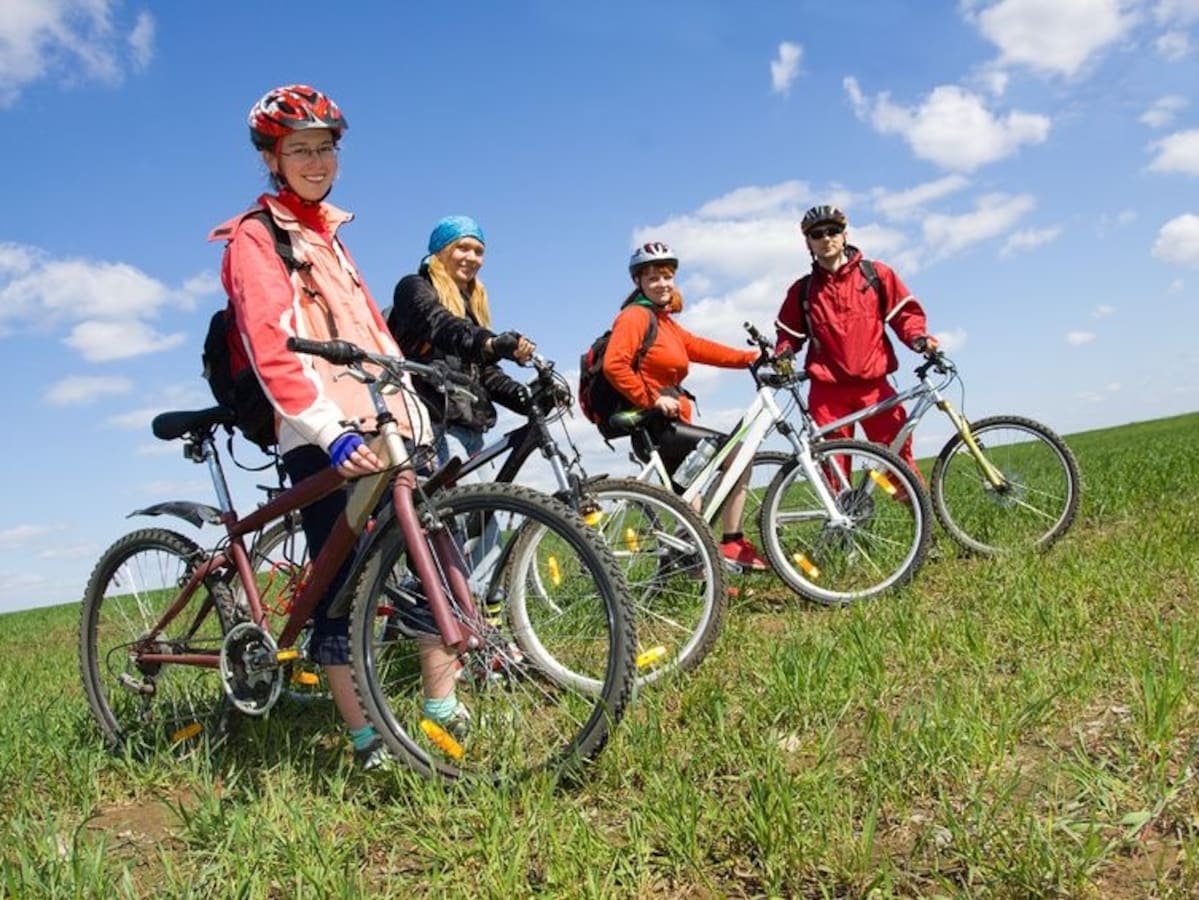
[(840, 315)]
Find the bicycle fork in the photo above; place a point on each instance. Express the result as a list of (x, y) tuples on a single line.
[(985, 467)]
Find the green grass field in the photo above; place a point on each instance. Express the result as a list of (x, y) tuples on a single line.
[(1011, 728)]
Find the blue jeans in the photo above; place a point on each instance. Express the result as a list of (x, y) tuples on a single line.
[(464, 442)]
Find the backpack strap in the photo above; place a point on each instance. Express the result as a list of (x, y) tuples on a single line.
[(282, 241), (651, 335), (868, 270)]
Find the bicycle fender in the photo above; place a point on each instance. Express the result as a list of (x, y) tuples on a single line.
[(195, 513)]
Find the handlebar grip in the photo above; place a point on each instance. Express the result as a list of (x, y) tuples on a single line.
[(338, 352)]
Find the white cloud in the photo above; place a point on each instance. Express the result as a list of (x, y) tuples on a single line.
[(1163, 110), (1178, 241), (1078, 338), (1173, 45), (993, 215), (82, 389), (1029, 239), (19, 535), (1176, 286), (752, 200), (1179, 12), (952, 126), (1179, 152), (785, 69), (72, 551), (106, 303), (1058, 37), (141, 40), (1102, 311), (722, 248), (103, 341), (909, 203), (951, 341), (73, 41)]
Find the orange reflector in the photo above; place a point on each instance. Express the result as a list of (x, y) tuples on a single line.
[(809, 568), (883, 482), (554, 570), (594, 517), (442, 738), (650, 657), (187, 732), (630, 540)]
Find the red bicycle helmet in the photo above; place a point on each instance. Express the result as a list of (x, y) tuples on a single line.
[(293, 107)]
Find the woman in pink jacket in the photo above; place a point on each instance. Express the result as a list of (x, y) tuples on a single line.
[(320, 419)]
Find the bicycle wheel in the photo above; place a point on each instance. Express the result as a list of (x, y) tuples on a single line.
[(523, 718), (1034, 506), (145, 706), (881, 541), (672, 567)]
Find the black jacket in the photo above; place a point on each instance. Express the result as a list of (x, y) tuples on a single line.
[(426, 330)]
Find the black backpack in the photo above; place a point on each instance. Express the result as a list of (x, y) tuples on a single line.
[(226, 367), (597, 398)]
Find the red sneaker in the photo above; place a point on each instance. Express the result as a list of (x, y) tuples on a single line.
[(744, 554)]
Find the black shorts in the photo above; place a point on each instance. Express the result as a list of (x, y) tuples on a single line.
[(674, 440)]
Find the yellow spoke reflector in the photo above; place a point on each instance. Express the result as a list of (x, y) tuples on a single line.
[(594, 517), (650, 657), (555, 572), (809, 568), (187, 732), (883, 482), (630, 540), (307, 679), (442, 738), (287, 655)]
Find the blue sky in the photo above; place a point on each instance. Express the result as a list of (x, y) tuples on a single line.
[(1028, 166)]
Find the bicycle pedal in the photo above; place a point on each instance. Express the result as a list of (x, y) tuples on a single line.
[(306, 679)]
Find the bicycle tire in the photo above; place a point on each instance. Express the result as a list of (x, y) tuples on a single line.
[(142, 708), (523, 721), (883, 546), (673, 570), (1035, 508)]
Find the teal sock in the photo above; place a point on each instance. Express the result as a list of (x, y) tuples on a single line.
[(442, 709), (361, 737)]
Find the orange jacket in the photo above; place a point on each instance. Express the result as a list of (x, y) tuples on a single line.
[(666, 363)]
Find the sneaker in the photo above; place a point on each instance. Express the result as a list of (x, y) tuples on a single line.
[(458, 724), (374, 757), (744, 554)]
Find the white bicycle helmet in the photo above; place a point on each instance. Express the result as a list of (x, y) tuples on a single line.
[(653, 252)]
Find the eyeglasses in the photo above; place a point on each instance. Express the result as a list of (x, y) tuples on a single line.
[(308, 154), (831, 231)]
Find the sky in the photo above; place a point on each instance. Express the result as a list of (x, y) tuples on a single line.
[(1029, 167)]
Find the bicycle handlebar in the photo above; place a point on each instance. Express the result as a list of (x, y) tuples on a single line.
[(345, 353)]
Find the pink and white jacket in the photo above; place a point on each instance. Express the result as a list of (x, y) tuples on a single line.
[(328, 300)]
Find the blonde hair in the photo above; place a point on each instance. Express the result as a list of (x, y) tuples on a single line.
[(449, 294), (676, 296)]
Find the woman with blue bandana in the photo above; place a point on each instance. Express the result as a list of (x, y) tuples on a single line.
[(441, 313)]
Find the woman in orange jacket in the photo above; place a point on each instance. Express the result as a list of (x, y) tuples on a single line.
[(656, 382)]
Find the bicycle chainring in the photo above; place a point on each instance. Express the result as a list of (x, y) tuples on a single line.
[(250, 672)]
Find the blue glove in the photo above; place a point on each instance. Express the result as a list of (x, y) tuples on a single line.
[(343, 448)]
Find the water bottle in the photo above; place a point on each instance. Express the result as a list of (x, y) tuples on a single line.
[(695, 461)]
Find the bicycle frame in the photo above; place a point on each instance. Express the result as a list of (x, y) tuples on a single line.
[(761, 417), (926, 395)]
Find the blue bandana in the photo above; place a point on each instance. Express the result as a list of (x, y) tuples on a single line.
[(451, 228)]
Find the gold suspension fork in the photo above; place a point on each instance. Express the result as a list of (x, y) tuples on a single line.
[(985, 466)]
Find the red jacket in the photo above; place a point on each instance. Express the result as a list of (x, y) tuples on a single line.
[(666, 363), (845, 337)]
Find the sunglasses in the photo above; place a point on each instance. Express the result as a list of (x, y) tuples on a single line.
[(831, 231)]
